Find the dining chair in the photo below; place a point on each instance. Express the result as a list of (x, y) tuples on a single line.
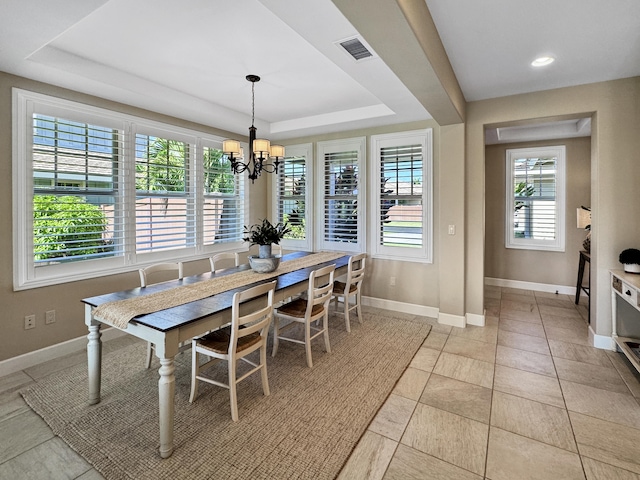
[(307, 310), (246, 334), (224, 258), (161, 272), (343, 291)]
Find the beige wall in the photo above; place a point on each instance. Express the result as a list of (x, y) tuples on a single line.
[(64, 298), (554, 268), (615, 170)]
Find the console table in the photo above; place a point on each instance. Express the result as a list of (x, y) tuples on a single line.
[(625, 326)]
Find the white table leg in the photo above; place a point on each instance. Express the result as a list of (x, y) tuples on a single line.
[(166, 391), (94, 362)]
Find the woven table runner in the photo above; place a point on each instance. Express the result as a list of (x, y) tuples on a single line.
[(121, 312)]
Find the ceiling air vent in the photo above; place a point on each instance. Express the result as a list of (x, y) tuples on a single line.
[(356, 49)]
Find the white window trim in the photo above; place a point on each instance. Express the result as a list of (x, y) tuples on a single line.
[(415, 255), (332, 146), (558, 245), (25, 275), (303, 150)]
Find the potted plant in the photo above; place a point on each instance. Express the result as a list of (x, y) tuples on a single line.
[(264, 235), (630, 258)]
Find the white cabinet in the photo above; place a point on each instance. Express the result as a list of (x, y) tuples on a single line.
[(625, 314)]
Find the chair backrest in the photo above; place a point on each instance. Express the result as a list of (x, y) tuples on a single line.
[(320, 287), (257, 320), (217, 259), (355, 272), (145, 273)]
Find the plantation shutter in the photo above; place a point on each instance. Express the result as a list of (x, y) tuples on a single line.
[(76, 215), (401, 196), (165, 216), (223, 208), (534, 187), (291, 196), (340, 188)]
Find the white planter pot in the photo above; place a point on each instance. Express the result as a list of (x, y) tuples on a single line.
[(632, 268)]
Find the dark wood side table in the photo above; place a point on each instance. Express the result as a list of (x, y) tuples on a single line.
[(585, 257)]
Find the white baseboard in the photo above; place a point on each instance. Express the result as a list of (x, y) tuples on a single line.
[(423, 310), (538, 287), (601, 341), (475, 319), (453, 320), (47, 354)]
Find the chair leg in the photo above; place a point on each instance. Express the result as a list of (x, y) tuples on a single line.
[(233, 394), (275, 336), (325, 322), (346, 313), (263, 373), (358, 307), (149, 354), (195, 370), (307, 343)]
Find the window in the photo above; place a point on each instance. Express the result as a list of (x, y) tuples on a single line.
[(341, 194), (535, 183), (97, 192), (293, 198), (401, 176)]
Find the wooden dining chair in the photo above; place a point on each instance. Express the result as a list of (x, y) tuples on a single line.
[(343, 291), (246, 334), (160, 272), (223, 258), (307, 310)]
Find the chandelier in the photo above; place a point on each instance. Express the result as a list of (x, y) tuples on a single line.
[(260, 149)]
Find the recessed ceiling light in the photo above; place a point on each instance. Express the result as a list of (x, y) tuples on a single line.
[(542, 61)]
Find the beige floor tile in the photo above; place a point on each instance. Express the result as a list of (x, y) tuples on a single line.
[(512, 457), (560, 296), (515, 297), (568, 335), (488, 334), (465, 369), (518, 291), (596, 470), (535, 420), (11, 404), (517, 307), (437, 327), (435, 340), (533, 386), (21, 433), (52, 460), (492, 310), (614, 407), (559, 311), (596, 376), (607, 442), (523, 360), (471, 348), (369, 459), (496, 293), (412, 383), (570, 323), (43, 370), (393, 416), (14, 382), (520, 341), (452, 438), (461, 398), (492, 302), (525, 328), (531, 317), (629, 374), (425, 359), (579, 353), (411, 464), (562, 301), (491, 320)]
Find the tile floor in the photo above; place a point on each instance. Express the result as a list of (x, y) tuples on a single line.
[(524, 397)]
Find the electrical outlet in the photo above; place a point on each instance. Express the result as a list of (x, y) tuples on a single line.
[(29, 322), (49, 316), (392, 281), (452, 229)]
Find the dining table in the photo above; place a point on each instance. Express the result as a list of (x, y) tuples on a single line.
[(168, 327)]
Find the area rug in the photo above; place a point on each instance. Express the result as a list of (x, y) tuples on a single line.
[(306, 428)]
